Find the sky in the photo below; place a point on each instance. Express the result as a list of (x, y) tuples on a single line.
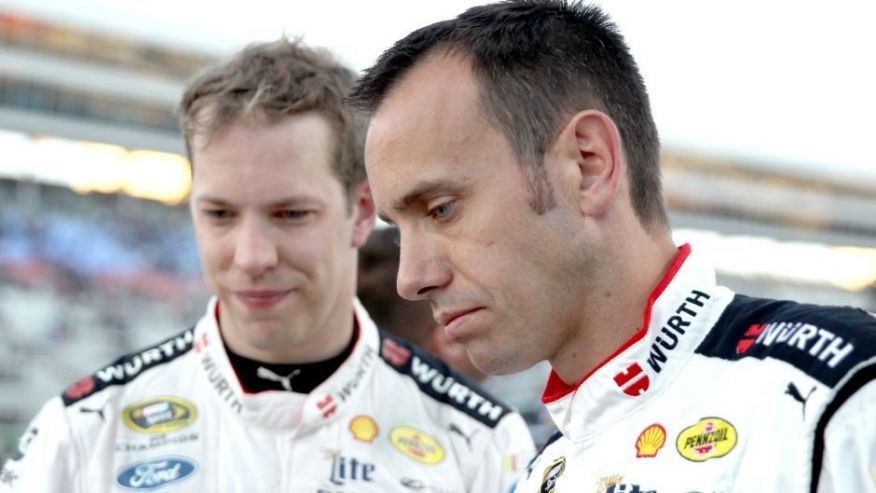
[(785, 84)]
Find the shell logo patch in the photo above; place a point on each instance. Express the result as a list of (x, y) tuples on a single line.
[(709, 438), (650, 441), (364, 428), (416, 445), (551, 475), (162, 414)]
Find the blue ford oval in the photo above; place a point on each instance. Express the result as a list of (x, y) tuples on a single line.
[(155, 473)]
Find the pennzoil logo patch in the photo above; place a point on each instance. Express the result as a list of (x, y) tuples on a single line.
[(162, 414), (709, 438), (416, 445)]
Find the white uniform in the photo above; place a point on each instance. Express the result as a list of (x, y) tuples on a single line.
[(720, 393), (173, 418)]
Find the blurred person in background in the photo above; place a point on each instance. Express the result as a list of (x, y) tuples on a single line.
[(285, 384), (514, 148)]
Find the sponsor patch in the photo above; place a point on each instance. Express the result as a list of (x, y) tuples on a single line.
[(650, 441), (156, 442), (162, 414), (552, 474), (709, 438), (364, 428), (416, 445), (128, 367), (632, 380), (437, 380), (395, 353), (155, 473), (606, 482), (345, 469)]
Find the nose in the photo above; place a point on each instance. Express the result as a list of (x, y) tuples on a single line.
[(422, 269), (255, 250)]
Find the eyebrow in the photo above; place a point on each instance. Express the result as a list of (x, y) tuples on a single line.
[(284, 202)]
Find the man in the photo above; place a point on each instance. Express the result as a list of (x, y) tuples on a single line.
[(514, 148), (411, 320), (285, 384)]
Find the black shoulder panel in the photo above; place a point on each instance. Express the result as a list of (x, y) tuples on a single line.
[(437, 380), (824, 342), (129, 366)]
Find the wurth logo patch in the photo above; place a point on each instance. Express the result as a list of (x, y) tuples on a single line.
[(633, 381), (820, 343)]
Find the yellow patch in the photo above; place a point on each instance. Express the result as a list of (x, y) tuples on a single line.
[(416, 444), (364, 428), (650, 441), (709, 438), (158, 415)]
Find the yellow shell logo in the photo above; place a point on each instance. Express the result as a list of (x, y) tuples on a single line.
[(650, 441), (416, 445), (162, 414), (709, 438), (364, 428)]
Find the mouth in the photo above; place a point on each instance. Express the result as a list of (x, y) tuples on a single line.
[(260, 299), (453, 321)]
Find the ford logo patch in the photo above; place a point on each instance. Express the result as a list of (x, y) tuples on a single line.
[(150, 474)]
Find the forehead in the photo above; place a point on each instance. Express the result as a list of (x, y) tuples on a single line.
[(251, 158), (430, 124)]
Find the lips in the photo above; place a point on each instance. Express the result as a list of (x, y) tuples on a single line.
[(260, 299), (452, 320)]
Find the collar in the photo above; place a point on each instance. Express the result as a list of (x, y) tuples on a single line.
[(280, 409), (680, 311)]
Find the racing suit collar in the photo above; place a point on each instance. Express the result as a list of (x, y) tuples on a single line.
[(286, 410), (639, 370)]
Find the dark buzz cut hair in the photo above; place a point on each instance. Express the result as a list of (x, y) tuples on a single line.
[(268, 82), (539, 62)]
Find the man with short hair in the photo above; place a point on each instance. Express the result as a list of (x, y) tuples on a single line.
[(514, 148), (285, 384)]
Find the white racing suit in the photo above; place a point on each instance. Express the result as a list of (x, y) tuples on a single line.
[(173, 418), (720, 393)]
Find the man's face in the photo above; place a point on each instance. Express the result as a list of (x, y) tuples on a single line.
[(500, 278), (276, 240)]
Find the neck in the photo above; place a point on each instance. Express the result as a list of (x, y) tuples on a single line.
[(613, 311)]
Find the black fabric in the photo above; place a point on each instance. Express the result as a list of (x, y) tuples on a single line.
[(303, 377), (764, 328), (128, 367), (437, 380)]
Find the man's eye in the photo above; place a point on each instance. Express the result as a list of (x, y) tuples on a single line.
[(442, 211), (292, 214), (218, 213)]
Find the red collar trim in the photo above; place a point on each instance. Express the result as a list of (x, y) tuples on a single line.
[(556, 388)]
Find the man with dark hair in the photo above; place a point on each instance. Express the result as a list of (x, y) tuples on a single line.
[(285, 384), (514, 148)]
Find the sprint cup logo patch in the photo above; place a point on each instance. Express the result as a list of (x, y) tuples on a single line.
[(162, 414), (416, 445), (709, 438)]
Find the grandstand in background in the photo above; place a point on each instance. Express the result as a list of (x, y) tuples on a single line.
[(91, 267)]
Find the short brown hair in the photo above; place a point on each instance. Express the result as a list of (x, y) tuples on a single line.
[(272, 81), (539, 62)]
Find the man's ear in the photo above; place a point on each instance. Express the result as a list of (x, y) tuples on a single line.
[(363, 211), (590, 148)]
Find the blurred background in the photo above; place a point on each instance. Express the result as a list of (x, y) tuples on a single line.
[(766, 112)]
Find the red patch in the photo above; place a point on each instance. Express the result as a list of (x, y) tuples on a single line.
[(80, 389)]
